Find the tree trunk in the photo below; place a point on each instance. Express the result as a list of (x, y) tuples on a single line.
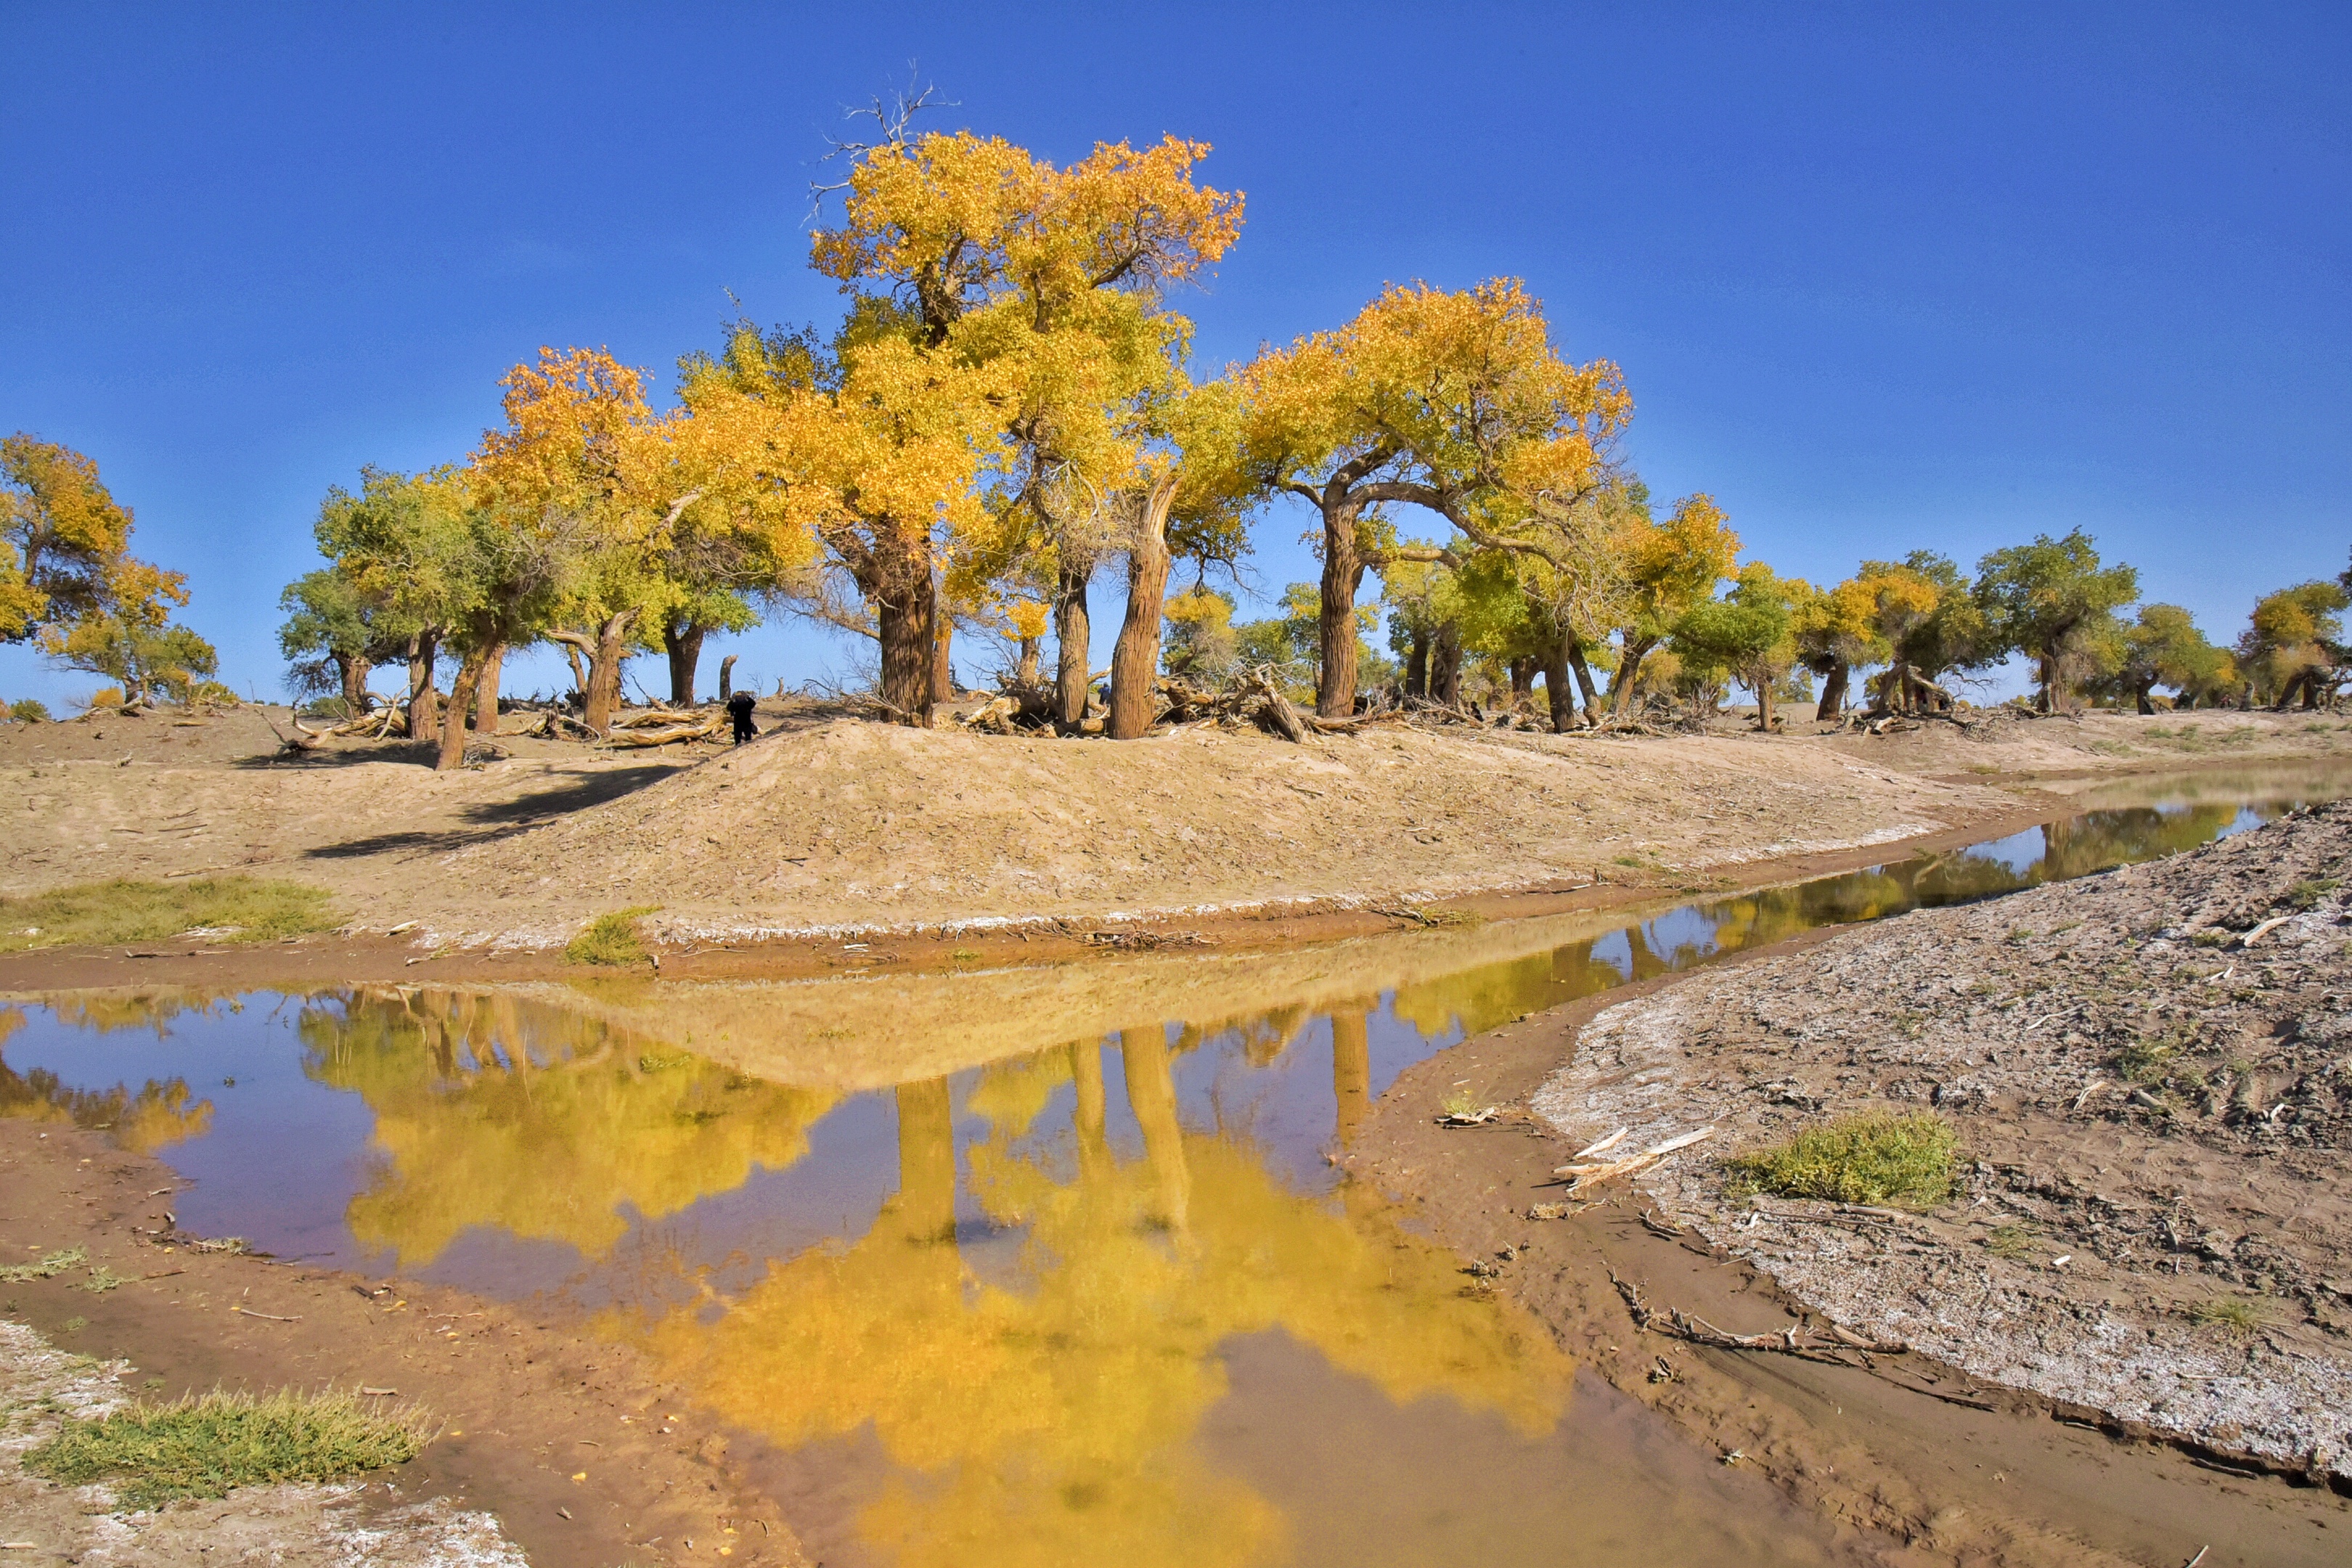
[(2139, 696), (1152, 1096), (727, 678), (942, 651), (579, 672), (1832, 703), (1522, 680), (1073, 633), (1024, 673), (423, 718), (904, 620), (2048, 670), (1135, 661), (1334, 682), (486, 691), (1629, 669), (1561, 695), (1416, 665), (352, 670), (1584, 685), (1446, 666), (453, 713), (684, 646), (1763, 689)]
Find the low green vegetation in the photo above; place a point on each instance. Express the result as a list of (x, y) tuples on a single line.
[(2233, 1315), (612, 941), (2307, 895), (49, 1267), (225, 908), (203, 1445), (1874, 1157), (2014, 1242), (28, 711)]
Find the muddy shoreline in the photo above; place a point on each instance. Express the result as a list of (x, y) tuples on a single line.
[(581, 1454)]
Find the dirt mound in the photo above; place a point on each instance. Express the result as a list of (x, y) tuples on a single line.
[(857, 824), (2151, 1076)]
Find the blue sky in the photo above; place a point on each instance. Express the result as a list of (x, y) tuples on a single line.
[(1880, 277)]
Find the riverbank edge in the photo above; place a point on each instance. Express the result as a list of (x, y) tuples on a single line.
[(318, 963)]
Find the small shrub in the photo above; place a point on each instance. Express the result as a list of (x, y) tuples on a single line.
[(2307, 895), (611, 941), (1875, 1157), (201, 1447), (2212, 937), (2019, 935), (228, 909), (964, 955), (28, 711), (1460, 1102)]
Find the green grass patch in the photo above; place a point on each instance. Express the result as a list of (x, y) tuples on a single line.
[(614, 941), (49, 1267), (1875, 1157), (203, 1445), (233, 910), (2231, 1314), (2307, 895), (2014, 1242)]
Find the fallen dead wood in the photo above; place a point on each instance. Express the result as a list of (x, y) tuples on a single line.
[(1804, 1342), (1585, 1171), (636, 739)]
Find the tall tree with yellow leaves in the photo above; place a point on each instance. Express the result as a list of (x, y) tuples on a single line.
[(1431, 398)]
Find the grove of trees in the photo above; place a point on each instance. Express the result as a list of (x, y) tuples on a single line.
[(1007, 414)]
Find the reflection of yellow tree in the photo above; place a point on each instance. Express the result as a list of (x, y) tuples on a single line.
[(1049, 1424), (157, 1116), (543, 1123)]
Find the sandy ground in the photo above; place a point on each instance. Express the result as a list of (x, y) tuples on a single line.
[(828, 824), (585, 1458), (2150, 1072)]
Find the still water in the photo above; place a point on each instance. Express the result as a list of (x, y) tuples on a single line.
[(1098, 1298)]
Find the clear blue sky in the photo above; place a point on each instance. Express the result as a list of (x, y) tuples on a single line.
[(1880, 277)]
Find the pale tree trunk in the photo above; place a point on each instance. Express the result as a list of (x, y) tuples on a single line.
[(1445, 667), (1343, 570), (601, 694), (423, 717), (726, 678), (579, 672), (1024, 673), (684, 646), (453, 713), (942, 648), (1629, 671), (352, 671), (1087, 1114), (1832, 703), (1134, 662), (1763, 689), (1584, 686), (1071, 635), (486, 691)]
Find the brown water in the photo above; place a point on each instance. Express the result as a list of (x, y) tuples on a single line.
[(1103, 1300)]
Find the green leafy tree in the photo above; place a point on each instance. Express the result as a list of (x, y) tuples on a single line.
[(1749, 634), (2056, 602), (2163, 647), (2291, 645), (335, 634)]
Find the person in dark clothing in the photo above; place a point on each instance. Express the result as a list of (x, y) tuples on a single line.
[(739, 708)]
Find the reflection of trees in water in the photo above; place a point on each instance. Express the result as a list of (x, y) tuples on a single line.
[(157, 1115), (1049, 1424), (499, 1112)]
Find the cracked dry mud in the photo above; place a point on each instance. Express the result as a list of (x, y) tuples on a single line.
[(2150, 1072)]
